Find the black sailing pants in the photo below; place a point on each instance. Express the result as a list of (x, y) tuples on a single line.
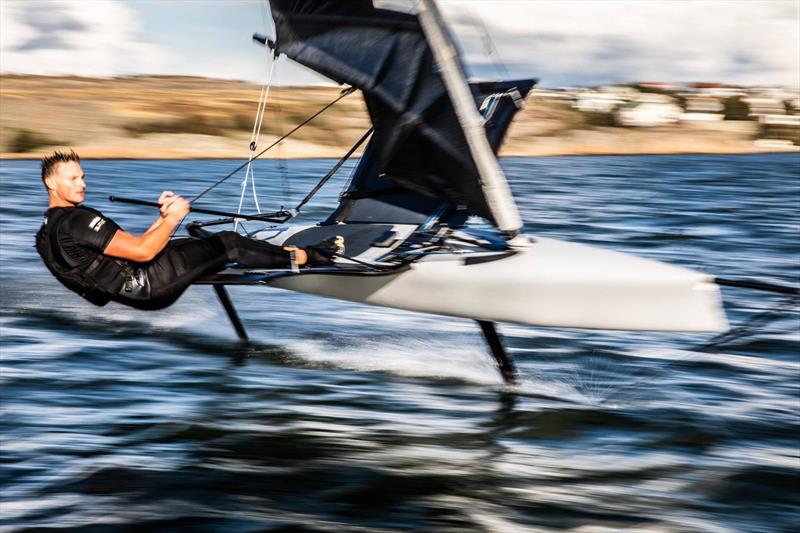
[(160, 282)]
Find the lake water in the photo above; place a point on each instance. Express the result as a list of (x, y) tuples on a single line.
[(343, 417)]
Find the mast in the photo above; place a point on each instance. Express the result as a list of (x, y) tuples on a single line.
[(493, 181)]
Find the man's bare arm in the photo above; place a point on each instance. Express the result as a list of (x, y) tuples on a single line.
[(164, 199), (154, 225), (143, 248)]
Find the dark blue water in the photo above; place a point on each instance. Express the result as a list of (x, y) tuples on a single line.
[(345, 417)]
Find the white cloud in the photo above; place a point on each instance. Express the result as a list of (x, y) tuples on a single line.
[(746, 41), (562, 42), (108, 38), (89, 38)]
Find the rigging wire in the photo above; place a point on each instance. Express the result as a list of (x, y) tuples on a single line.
[(217, 183), (490, 49), (333, 170)]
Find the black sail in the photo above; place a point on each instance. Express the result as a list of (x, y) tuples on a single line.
[(418, 157)]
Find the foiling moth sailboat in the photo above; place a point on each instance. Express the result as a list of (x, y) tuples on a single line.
[(429, 165)]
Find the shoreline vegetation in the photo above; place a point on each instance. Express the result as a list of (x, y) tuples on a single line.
[(174, 117)]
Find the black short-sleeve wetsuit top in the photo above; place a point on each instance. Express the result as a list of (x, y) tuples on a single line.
[(83, 233), (71, 243)]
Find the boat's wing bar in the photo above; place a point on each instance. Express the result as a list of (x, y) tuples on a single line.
[(758, 285)]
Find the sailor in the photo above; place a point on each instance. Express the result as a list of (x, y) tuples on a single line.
[(91, 255)]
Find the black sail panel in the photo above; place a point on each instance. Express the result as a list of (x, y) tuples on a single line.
[(371, 197), (418, 143)]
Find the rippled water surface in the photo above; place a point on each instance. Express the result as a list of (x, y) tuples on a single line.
[(343, 417)]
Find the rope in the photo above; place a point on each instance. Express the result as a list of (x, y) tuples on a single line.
[(216, 184), (248, 174)]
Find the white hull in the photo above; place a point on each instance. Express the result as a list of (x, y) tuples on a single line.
[(549, 283)]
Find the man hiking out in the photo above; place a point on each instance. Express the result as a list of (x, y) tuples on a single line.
[(91, 255)]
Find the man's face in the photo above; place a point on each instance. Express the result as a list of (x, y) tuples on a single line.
[(66, 182)]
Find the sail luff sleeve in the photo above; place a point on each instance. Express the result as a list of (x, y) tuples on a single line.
[(493, 181)]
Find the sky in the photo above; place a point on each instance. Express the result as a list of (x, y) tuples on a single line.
[(562, 42)]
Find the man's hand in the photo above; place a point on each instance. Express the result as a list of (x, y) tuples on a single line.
[(145, 247), (166, 198), (164, 195), (173, 207)]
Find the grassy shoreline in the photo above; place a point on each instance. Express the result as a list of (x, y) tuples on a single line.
[(167, 117), (34, 157)]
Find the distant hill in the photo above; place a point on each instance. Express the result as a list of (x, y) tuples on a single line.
[(188, 117)]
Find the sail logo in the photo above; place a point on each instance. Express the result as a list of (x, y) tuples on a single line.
[(97, 223)]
